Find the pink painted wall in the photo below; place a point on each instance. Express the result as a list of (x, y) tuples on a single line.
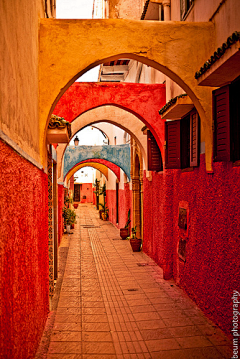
[(60, 207), (86, 190), (125, 204), (143, 100), (24, 255), (212, 270)]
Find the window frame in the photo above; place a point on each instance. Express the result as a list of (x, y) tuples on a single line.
[(179, 143), (154, 156), (226, 119)]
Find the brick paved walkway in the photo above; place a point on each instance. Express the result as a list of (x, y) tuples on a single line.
[(113, 303)]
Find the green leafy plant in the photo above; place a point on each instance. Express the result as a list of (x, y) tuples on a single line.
[(69, 216), (134, 231), (103, 192), (67, 200), (97, 191), (128, 220)]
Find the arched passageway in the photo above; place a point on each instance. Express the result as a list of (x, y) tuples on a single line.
[(161, 45), (100, 167), (119, 155), (112, 115), (98, 164), (142, 100)]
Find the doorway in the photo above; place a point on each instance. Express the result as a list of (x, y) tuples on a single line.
[(76, 196)]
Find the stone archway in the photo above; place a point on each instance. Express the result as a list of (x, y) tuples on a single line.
[(99, 164), (65, 53), (142, 100), (100, 167), (122, 118), (118, 154)]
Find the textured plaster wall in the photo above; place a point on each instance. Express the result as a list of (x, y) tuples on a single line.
[(142, 100), (226, 19), (98, 162), (166, 46), (86, 190), (211, 271), (19, 76), (124, 205), (24, 255), (110, 115), (125, 9), (119, 155), (60, 207)]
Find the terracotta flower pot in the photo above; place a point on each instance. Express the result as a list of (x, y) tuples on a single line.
[(100, 213), (135, 244), (104, 216), (124, 233), (75, 205)]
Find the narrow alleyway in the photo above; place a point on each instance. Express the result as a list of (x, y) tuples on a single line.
[(113, 303)]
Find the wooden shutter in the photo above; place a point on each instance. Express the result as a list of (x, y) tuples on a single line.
[(234, 103), (154, 154), (194, 138), (221, 116), (172, 152)]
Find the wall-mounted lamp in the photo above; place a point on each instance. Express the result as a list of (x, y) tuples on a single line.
[(76, 141)]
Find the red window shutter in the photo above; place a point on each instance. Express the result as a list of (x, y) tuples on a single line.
[(221, 116), (194, 138), (154, 154), (172, 153)]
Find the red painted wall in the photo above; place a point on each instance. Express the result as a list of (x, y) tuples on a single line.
[(60, 207), (94, 197), (143, 100), (86, 189), (125, 204), (211, 271), (24, 255)]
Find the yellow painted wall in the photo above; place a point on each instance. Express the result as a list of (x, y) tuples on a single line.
[(19, 72), (69, 47)]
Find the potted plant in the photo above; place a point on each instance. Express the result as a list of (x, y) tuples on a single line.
[(134, 241), (69, 216), (67, 201), (124, 232), (103, 213), (97, 192), (75, 205)]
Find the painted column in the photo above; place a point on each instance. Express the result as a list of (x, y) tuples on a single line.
[(50, 225), (136, 199), (167, 9)]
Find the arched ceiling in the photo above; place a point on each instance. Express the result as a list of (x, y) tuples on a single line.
[(98, 166), (65, 53), (97, 161), (114, 115)]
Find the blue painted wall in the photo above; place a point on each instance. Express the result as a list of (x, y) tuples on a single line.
[(119, 155)]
